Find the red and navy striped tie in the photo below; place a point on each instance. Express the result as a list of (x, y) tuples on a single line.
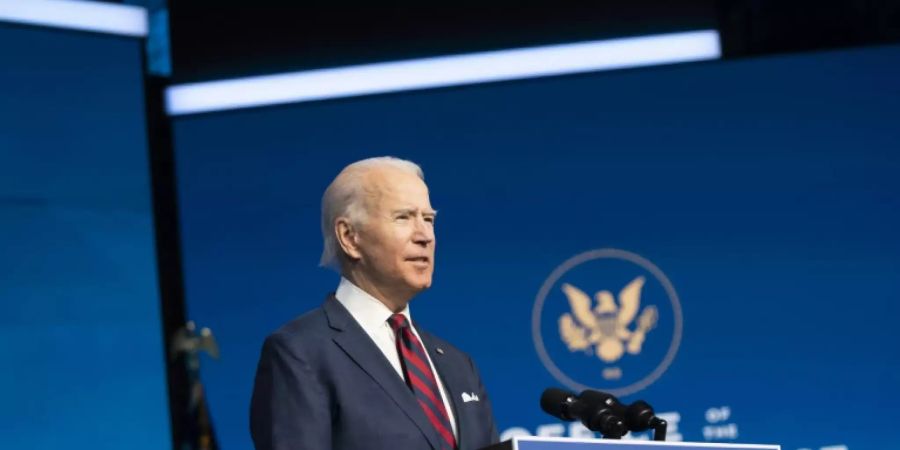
[(421, 379)]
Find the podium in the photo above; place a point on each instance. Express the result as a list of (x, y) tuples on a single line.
[(550, 443)]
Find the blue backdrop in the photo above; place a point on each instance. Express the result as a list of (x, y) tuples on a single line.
[(757, 198), (80, 336)]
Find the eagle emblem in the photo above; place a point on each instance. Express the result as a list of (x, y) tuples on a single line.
[(607, 326)]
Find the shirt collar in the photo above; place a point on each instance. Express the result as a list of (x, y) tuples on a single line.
[(368, 311)]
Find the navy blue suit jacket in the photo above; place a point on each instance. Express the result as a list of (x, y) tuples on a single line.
[(322, 383)]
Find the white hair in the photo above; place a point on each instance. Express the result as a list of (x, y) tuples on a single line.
[(345, 197)]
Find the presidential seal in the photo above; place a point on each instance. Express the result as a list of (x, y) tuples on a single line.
[(607, 319)]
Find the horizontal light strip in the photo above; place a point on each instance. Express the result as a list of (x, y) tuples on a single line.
[(77, 15), (442, 71)]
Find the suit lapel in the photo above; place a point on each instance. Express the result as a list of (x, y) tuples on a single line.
[(354, 341), (453, 383)]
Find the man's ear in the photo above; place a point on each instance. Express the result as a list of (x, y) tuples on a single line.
[(347, 238)]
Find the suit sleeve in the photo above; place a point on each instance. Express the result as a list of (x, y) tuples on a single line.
[(490, 425), (289, 408)]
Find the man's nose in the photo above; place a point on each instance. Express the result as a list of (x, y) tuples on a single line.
[(423, 233)]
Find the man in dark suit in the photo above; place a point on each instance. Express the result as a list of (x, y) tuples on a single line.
[(357, 373)]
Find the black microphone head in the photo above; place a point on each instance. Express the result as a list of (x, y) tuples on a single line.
[(606, 413), (639, 416), (597, 398), (556, 402)]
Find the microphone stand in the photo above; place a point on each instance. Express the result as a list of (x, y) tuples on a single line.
[(659, 428)]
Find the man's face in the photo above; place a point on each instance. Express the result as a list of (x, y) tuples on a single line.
[(397, 239)]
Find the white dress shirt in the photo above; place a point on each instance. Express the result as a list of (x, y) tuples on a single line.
[(372, 316)]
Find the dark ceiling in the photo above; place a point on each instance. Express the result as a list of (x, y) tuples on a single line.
[(220, 39)]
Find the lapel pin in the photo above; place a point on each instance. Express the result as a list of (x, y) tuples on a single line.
[(440, 351)]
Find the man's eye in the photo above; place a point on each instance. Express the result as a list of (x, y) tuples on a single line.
[(429, 220), (402, 217)]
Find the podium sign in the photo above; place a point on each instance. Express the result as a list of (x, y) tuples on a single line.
[(547, 443)]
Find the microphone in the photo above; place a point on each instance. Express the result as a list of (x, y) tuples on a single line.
[(588, 407), (638, 416), (559, 403), (607, 400)]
